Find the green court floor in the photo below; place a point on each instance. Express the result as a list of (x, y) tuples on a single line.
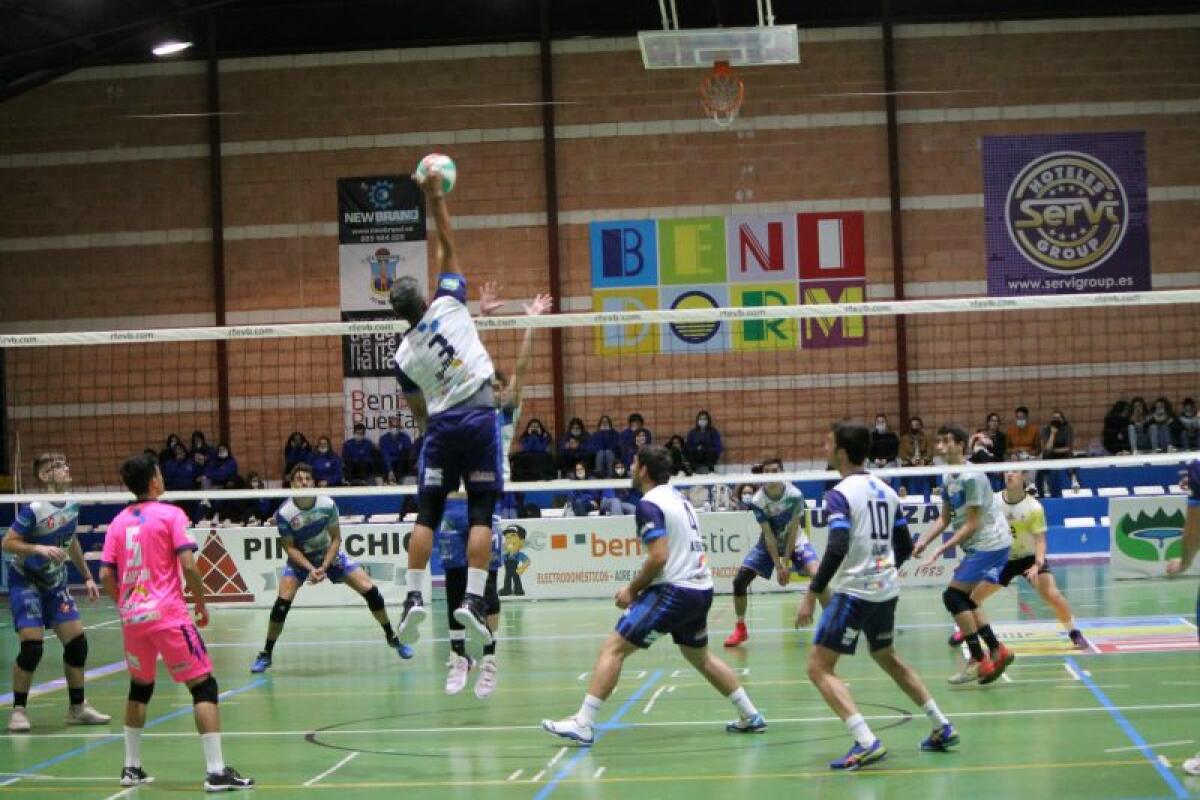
[(339, 715)]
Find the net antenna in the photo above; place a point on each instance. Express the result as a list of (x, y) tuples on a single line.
[(719, 50)]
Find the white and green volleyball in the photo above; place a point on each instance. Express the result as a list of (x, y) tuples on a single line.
[(439, 164)]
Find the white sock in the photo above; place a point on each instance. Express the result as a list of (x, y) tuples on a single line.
[(934, 713), (476, 581), (860, 730), (1072, 625), (213, 760), (742, 702), (133, 747), (458, 635), (414, 580), (587, 711)]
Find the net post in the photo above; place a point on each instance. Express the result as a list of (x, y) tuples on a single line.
[(550, 174)]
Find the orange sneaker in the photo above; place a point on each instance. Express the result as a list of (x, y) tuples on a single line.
[(992, 668), (738, 636)]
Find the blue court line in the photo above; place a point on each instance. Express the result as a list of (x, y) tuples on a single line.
[(58, 759), (59, 683), (1130, 731), (611, 723)]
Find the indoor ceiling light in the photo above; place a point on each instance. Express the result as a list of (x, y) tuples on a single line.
[(170, 48)]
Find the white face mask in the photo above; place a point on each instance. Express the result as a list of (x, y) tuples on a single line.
[(703, 423), (1021, 423), (880, 427), (747, 497)]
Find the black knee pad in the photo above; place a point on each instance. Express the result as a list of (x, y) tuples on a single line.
[(141, 692), (741, 581), (430, 508), (481, 505), (374, 599), (30, 655), (75, 652), (206, 691), (957, 601), (280, 610)]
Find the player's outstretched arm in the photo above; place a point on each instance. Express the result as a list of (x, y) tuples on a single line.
[(541, 304), (447, 258)]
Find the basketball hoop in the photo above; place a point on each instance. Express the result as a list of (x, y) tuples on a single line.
[(721, 94)]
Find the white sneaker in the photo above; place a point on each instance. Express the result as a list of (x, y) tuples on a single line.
[(1192, 765), (485, 684), (456, 678), (84, 714), (18, 721), (570, 728), (968, 674)]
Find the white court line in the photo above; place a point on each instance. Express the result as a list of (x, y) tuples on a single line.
[(121, 793), (1188, 622), (598, 773), (32, 776), (557, 757), (1071, 671), (515, 775), (1021, 712), (1180, 683), (670, 688), (1098, 686), (653, 698), (1004, 677), (1164, 761), (333, 769), (537, 777), (1149, 746)]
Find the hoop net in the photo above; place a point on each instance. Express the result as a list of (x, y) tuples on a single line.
[(722, 93)]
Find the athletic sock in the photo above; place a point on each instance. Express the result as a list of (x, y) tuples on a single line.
[(741, 701), (860, 730), (414, 580), (490, 649), (133, 747), (213, 760), (269, 647), (972, 640), (388, 633), (20, 699), (476, 581), (458, 642), (587, 711), (989, 638), (75, 695), (934, 713)]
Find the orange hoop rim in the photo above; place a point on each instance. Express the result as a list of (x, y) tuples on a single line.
[(722, 93)]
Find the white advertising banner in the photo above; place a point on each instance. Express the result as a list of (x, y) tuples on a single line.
[(1146, 532)]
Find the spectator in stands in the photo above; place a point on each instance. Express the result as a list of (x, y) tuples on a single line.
[(178, 472), (199, 470), (991, 426), (264, 507), (581, 501), (983, 451), (201, 444), (605, 444), (1189, 426), (885, 444), (616, 502), (296, 451), (1139, 437), (573, 448), (1162, 428), (395, 451), (640, 439), (1057, 441), (533, 460), (703, 446), (916, 451), (1023, 442), (680, 463), (1115, 433), (327, 467), (222, 468), (359, 457), (168, 452), (636, 423), (744, 494), (238, 512)]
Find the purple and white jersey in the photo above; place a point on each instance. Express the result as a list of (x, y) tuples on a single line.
[(869, 510)]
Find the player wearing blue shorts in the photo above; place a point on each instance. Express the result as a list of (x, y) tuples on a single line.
[(868, 542), (451, 542), (981, 530), (672, 593), (37, 547), (1191, 545), (446, 376), (310, 534), (783, 546)]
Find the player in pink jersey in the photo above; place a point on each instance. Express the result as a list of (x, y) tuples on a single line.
[(144, 549)]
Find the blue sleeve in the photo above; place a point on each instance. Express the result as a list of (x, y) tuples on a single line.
[(716, 443), (650, 521), (759, 514), (282, 526), (25, 521), (1193, 483), (406, 384), (837, 510)]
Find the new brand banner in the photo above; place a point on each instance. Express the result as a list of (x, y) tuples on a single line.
[(1147, 532), (1066, 213), (381, 236)]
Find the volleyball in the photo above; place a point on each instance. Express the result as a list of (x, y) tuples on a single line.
[(440, 164)]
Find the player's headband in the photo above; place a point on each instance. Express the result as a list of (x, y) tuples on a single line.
[(451, 284)]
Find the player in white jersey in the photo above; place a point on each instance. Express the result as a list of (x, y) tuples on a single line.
[(868, 541), (37, 546), (783, 546), (446, 376), (672, 593), (310, 534), (980, 529)]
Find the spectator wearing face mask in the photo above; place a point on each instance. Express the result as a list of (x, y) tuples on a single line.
[(1162, 427), (359, 457), (983, 451), (605, 444), (1023, 442), (396, 452), (179, 473), (1057, 441), (636, 423), (640, 439), (264, 507), (296, 451), (680, 465), (532, 461), (581, 501), (616, 502), (1189, 425), (991, 426), (916, 450), (222, 468), (885, 444), (327, 467), (1139, 436), (201, 444), (1115, 433), (168, 452), (573, 447), (703, 445)]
